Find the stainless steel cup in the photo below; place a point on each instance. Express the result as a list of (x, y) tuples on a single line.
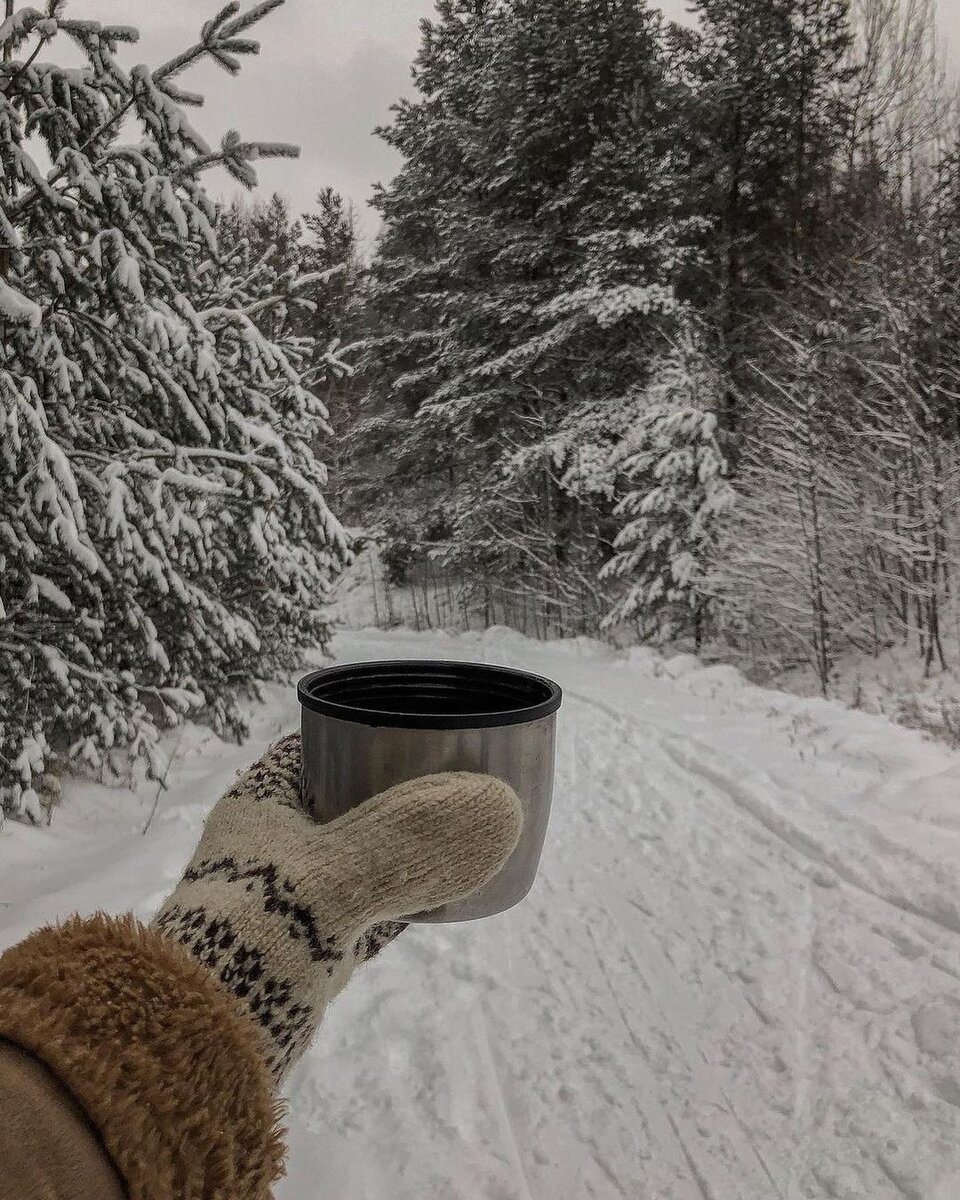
[(368, 726)]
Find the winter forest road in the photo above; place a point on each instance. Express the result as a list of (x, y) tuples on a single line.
[(737, 977)]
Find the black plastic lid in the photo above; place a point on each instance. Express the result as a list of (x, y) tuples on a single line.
[(424, 694)]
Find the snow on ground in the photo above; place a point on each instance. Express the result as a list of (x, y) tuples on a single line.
[(737, 977)]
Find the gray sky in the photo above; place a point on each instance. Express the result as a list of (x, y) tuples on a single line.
[(327, 73)]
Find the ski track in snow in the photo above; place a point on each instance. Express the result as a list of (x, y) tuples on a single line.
[(738, 977)]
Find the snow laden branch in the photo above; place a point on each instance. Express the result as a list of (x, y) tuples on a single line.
[(236, 156), (146, 91)]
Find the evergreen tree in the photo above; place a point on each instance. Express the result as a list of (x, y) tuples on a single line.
[(330, 253), (534, 243), (163, 532), (331, 248), (676, 497), (771, 113), (318, 255)]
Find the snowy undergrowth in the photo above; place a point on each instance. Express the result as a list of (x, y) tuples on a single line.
[(893, 684), (738, 975)]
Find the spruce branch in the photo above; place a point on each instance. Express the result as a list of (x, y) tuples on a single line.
[(218, 42)]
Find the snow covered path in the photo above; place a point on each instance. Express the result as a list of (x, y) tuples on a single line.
[(737, 977)]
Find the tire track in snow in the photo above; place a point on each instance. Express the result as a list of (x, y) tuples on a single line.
[(493, 1074), (680, 1019), (646, 1094), (945, 916), (652, 745)]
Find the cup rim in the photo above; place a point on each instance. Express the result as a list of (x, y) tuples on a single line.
[(473, 673)]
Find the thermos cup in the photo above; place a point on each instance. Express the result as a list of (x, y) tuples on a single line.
[(368, 726)]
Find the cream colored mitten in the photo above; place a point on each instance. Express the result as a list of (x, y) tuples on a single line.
[(282, 909)]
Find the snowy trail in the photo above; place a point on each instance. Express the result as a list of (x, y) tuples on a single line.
[(737, 977)]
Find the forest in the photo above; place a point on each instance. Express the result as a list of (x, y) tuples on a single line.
[(658, 341), (661, 330)]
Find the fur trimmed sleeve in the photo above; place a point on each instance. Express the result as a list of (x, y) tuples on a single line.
[(155, 1052)]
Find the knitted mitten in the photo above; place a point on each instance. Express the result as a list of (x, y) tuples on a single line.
[(282, 909)]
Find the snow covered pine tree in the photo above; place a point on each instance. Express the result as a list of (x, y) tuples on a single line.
[(675, 493), (534, 245), (163, 531)]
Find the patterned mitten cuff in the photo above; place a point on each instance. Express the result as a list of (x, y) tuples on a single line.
[(281, 910)]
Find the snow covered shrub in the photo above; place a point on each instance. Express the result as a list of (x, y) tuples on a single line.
[(163, 531)]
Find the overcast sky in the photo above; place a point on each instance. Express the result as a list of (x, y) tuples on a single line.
[(327, 73)]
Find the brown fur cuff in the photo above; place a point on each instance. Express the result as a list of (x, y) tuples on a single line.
[(155, 1052)]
